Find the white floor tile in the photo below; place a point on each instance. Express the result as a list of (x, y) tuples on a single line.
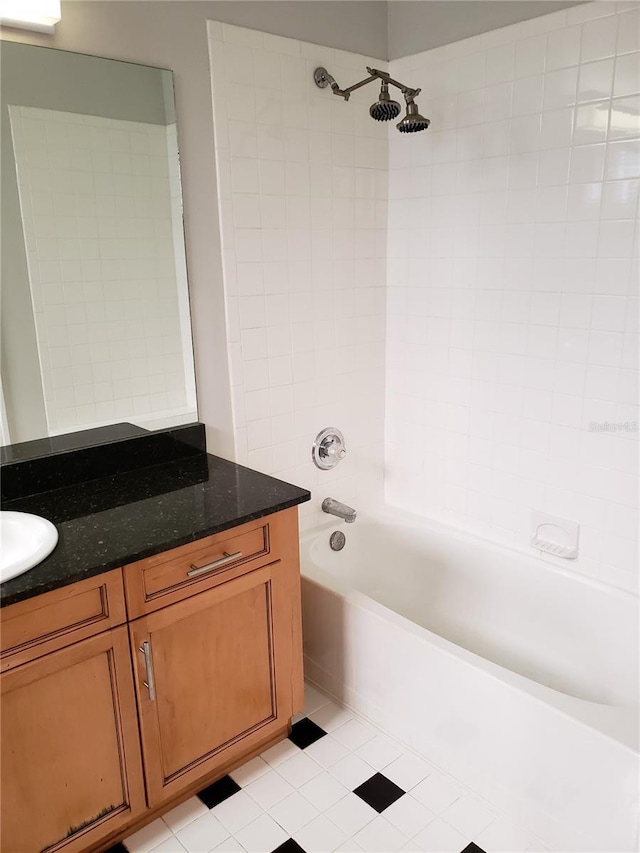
[(352, 771), (230, 845), (327, 751), (320, 836), (330, 716), (183, 814), (280, 752), (293, 812), (250, 771), (171, 845), (148, 837), (502, 836), (269, 789), (407, 771), (380, 836), (313, 700), (262, 835), (538, 847), (307, 795), (351, 814), (468, 815), (437, 792), (439, 837), (354, 734), (378, 752), (202, 834), (299, 770), (408, 815), (237, 811), (323, 791)]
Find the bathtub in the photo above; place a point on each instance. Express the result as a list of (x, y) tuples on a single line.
[(511, 673)]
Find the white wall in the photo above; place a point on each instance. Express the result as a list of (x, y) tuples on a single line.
[(95, 197), (513, 285), (302, 180)]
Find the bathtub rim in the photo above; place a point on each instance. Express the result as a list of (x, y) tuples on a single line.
[(401, 518), (614, 722)]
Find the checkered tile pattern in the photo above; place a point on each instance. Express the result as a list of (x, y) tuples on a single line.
[(336, 784)]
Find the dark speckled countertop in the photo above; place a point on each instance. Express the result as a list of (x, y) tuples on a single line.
[(108, 522)]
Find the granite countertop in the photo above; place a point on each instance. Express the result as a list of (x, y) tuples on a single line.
[(108, 522)]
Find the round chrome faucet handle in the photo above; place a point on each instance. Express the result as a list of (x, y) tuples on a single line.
[(332, 446), (328, 448)]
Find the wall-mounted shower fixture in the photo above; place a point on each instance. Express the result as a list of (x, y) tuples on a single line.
[(384, 108), (328, 448)]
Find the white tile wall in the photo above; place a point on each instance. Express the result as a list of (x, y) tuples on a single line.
[(303, 206), (513, 285), (96, 198)]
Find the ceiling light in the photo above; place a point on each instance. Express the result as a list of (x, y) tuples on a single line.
[(39, 15)]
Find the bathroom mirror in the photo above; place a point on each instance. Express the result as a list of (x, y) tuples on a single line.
[(95, 309)]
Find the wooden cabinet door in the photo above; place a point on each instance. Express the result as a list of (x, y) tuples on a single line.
[(223, 670), (71, 768)]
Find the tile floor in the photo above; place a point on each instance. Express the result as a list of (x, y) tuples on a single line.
[(336, 784)]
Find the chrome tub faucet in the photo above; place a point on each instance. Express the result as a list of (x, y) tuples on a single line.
[(334, 507)]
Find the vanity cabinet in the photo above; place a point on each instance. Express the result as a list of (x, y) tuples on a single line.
[(203, 670), (219, 671), (71, 770)]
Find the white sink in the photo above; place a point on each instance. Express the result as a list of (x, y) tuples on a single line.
[(25, 540)]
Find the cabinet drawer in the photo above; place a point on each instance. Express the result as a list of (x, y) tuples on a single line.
[(173, 575), (56, 619)]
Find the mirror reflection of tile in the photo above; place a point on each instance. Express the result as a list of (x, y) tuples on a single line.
[(100, 204)]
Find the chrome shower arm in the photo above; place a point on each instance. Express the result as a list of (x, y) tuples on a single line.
[(382, 75), (323, 78), (346, 93)]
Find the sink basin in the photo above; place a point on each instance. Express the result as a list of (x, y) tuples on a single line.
[(25, 540)]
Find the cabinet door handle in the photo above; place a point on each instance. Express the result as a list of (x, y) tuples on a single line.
[(228, 558), (150, 683)]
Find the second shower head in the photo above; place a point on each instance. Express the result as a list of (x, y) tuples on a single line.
[(413, 122)]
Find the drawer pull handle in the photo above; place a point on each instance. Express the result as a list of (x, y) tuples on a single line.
[(150, 683), (228, 558)]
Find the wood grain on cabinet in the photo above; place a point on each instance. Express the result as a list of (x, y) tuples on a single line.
[(70, 760), (225, 668), (174, 575), (32, 628), (225, 647)]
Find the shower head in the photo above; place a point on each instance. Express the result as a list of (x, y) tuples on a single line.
[(413, 121), (384, 108)]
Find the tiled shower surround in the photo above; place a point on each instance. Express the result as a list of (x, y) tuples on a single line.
[(303, 205), (512, 285), (506, 281)]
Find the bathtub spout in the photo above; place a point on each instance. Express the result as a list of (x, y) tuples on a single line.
[(334, 507)]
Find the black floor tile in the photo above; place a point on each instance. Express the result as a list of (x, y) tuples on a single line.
[(117, 848), (289, 846), (305, 732), (472, 848), (219, 791), (379, 792)]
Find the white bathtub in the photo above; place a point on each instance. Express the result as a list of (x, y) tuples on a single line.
[(518, 677)]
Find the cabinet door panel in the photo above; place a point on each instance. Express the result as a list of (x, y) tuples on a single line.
[(71, 764), (215, 641), (222, 674)]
